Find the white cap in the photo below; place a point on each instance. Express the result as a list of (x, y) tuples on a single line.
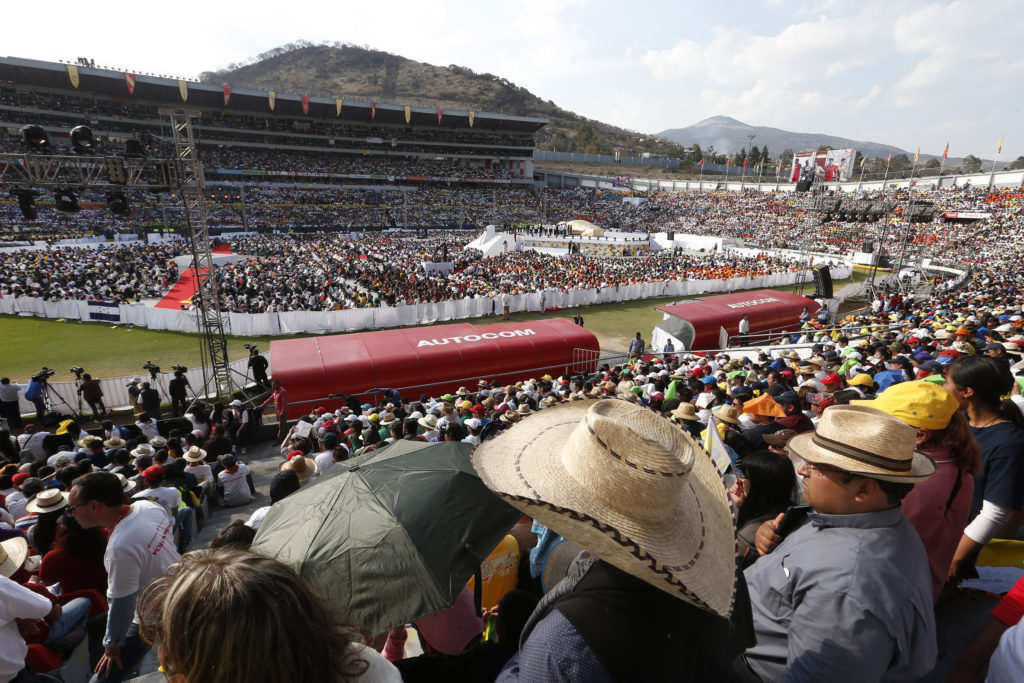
[(473, 423), (236, 402)]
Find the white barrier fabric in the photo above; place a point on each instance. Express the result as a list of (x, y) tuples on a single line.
[(350, 320)]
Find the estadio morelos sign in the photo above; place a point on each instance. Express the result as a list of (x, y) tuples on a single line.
[(470, 338)]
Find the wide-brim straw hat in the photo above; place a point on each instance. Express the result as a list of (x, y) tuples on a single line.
[(865, 441), (126, 483), (194, 454), (428, 422), (510, 417), (158, 441), (303, 467), (685, 411), (47, 500), (88, 439), (115, 442), (13, 552), (727, 414), (143, 449), (622, 482), (524, 409)]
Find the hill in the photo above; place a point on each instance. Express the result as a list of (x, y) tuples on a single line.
[(729, 135), (338, 69)]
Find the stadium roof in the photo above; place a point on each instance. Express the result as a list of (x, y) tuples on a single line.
[(163, 91)]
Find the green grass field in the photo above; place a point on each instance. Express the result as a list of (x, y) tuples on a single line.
[(104, 350)]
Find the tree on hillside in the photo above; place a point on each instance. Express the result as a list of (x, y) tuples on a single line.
[(737, 158), (764, 154), (900, 162), (856, 160), (787, 157), (586, 135), (755, 155), (825, 148), (1018, 164), (931, 167), (972, 164), (698, 154)]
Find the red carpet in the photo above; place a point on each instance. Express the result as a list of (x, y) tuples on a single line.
[(221, 249), (182, 292)]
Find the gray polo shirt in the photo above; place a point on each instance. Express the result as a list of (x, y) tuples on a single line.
[(844, 598)]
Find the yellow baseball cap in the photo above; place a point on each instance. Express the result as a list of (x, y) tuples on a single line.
[(918, 404)]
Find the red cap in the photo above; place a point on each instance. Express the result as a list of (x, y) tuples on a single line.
[(20, 478), (479, 409), (321, 409), (153, 473), (832, 379), (293, 454)]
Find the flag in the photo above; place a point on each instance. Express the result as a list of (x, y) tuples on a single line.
[(778, 167), (945, 152), (305, 104), (408, 114), (129, 80), (440, 113), (73, 74), (728, 162), (700, 163), (716, 448), (744, 163), (373, 110), (917, 155), (227, 94), (183, 89), (471, 118), (889, 159), (337, 106), (998, 151), (271, 97), (862, 160)]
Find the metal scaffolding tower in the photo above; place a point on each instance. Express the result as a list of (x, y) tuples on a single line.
[(192, 183)]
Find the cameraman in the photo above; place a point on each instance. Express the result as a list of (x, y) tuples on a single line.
[(150, 400), (176, 388), (92, 393), (9, 403), (34, 393), (259, 366)]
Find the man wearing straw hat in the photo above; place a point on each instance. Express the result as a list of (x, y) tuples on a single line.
[(653, 601), (847, 595)]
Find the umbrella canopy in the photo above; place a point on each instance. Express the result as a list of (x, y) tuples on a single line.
[(390, 536)]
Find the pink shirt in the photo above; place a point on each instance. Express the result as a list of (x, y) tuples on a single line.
[(925, 507), (280, 399)]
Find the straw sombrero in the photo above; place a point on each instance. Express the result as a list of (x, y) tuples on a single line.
[(13, 552), (685, 411), (115, 442), (126, 483), (866, 441), (625, 484), (194, 454), (727, 414), (47, 500), (303, 467)]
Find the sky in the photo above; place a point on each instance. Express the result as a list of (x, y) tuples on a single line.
[(901, 72)]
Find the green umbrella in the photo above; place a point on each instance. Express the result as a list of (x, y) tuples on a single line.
[(390, 536)]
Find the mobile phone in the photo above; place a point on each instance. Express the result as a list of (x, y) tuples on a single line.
[(793, 518)]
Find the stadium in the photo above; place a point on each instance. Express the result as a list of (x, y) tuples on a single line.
[(408, 273)]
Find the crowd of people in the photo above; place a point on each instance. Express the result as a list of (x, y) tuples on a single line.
[(850, 489)]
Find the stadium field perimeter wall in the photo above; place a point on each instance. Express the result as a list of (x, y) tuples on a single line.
[(353, 319)]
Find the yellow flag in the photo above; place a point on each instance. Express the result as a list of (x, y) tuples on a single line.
[(73, 75), (1000, 150), (337, 105), (917, 154), (183, 89), (408, 113)]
